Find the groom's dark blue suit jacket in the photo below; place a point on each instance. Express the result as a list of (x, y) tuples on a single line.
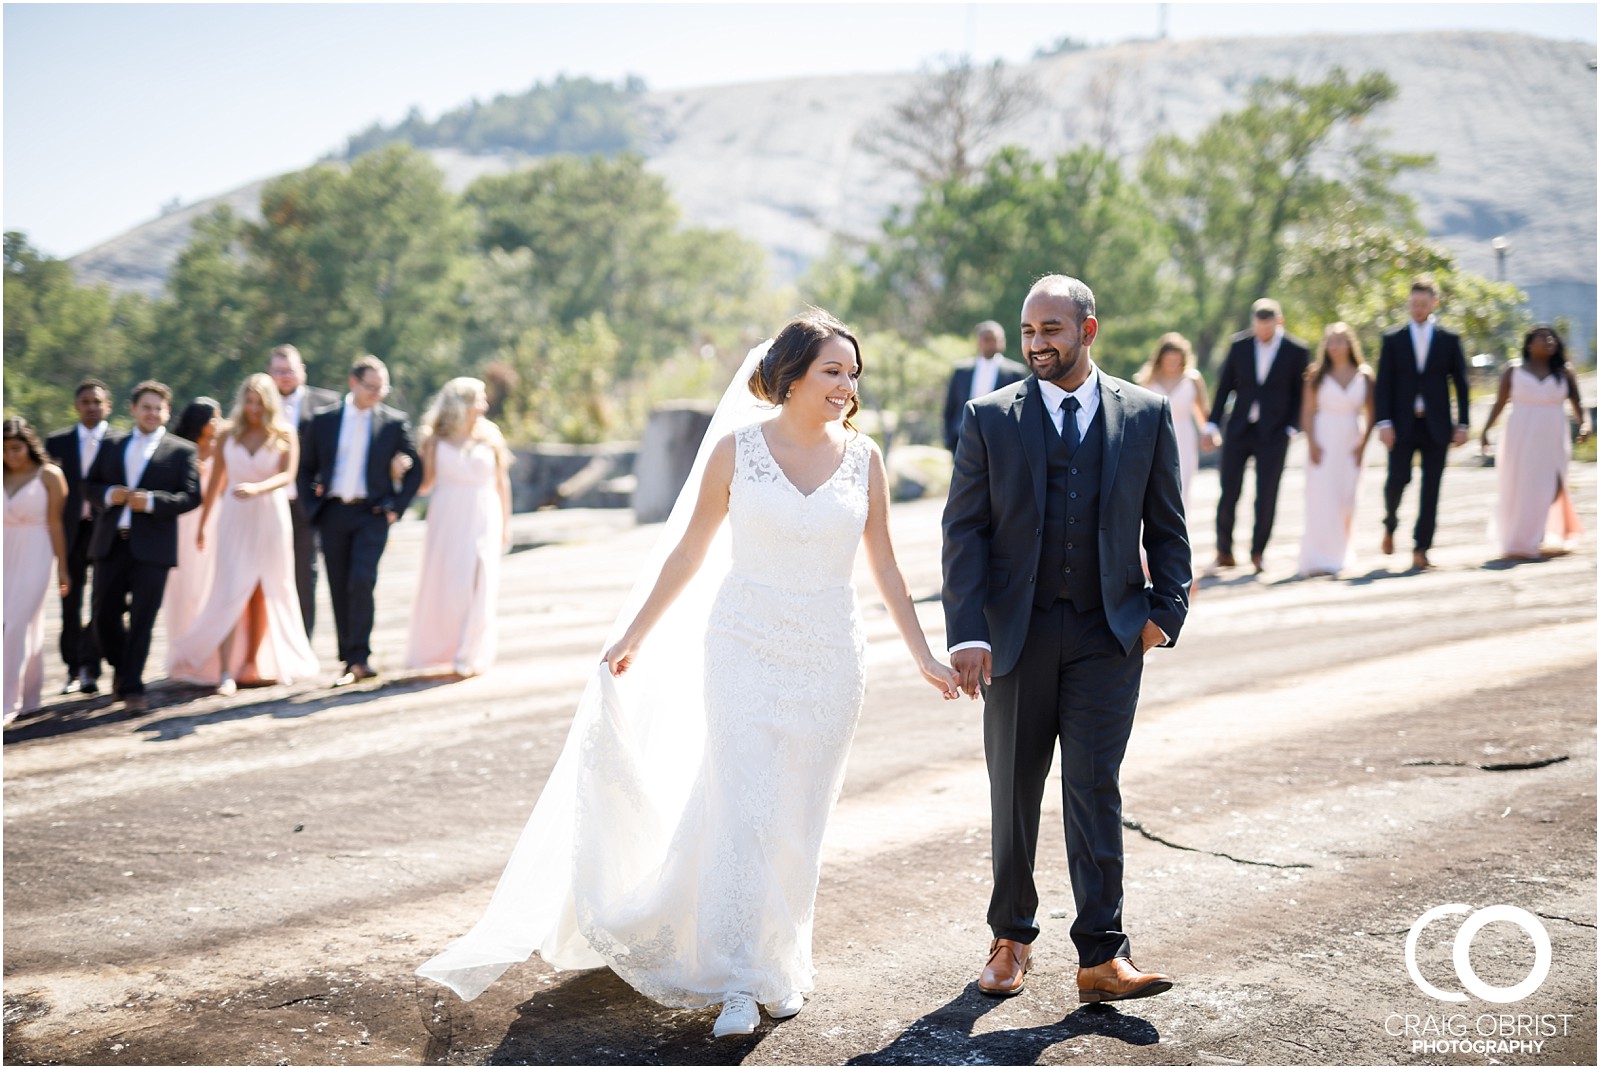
[(994, 518)]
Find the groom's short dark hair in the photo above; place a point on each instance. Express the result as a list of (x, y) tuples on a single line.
[(1074, 290)]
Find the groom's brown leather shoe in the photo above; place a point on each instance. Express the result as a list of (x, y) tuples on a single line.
[(1007, 968), (1119, 979)]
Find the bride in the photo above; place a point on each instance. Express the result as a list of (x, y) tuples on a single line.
[(692, 794)]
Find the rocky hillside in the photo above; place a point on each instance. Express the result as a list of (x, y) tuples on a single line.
[(1510, 119)]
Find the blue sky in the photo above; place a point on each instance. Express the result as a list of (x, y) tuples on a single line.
[(112, 110)]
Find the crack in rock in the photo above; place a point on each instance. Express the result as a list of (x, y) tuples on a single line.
[(298, 1001), (1505, 766), (1134, 825), (1569, 920)]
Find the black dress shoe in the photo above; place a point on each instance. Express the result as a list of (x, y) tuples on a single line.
[(88, 683)]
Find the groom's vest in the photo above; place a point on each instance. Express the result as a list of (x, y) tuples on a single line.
[(1069, 562)]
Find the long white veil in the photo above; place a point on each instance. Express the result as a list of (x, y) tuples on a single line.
[(597, 836)]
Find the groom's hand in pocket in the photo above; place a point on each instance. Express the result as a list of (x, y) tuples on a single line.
[(971, 666), (1152, 636)]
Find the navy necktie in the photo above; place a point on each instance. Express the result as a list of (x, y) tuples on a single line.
[(1069, 423)]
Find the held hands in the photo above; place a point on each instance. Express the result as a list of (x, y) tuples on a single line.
[(1458, 437), (972, 666), (398, 467), (119, 495), (943, 679), (1386, 436)]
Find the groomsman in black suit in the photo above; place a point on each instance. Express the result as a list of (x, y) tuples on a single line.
[(346, 459), (1059, 480), (300, 403), (74, 450), (988, 371), (139, 484), (1263, 373), (1416, 366)]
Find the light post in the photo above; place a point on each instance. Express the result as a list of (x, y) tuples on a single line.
[(1502, 249)]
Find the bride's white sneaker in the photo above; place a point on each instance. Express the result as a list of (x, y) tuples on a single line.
[(786, 1007), (739, 1016)]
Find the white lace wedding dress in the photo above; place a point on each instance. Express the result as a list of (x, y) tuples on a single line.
[(693, 821)]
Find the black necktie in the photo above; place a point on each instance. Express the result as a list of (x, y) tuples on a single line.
[(1069, 423)]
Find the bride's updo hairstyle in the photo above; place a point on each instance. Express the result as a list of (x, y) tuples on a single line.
[(791, 354)]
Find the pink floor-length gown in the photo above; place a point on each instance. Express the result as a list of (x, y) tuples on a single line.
[(254, 546), (28, 560), (189, 584), (1331, 486), (1182, 400), (453, 616), (1534, 506)]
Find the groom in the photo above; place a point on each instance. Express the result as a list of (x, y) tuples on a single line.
[(1047, 606)]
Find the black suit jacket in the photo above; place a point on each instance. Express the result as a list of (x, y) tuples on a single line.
[(960, 392), (1279, 395), (994, 518), (63, 449), (173, 478), (391, 434), (316, 400), (1399, 383)]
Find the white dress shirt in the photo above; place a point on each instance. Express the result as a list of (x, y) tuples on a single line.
[(1421, 341), (88, 448), (292, 404), (985, 373), (1088, 395), (350, 460), (1266, 353), (135, 458)]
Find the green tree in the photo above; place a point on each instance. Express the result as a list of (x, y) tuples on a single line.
[(969, 250), (369, 259), (58, 333), (207, 330), (1233, 200), (577, 115), (602, 237)]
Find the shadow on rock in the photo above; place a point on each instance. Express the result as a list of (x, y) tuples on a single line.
[(944, 1037), (589, 1018), (280, 706)]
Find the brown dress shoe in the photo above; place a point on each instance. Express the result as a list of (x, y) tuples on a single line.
[(1257, 564), (1419, 561), (1388, 543), (1225, 560), (1007, 967), (135, 703), (1119, 979)]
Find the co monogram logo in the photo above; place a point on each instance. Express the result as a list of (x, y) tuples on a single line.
[(1463, 948)]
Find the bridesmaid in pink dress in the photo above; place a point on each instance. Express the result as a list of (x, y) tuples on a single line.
[(35, 490), (189, 583), (1171, 373), (1336, 410), (1535, 506), (466, 472), (250, 629)]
